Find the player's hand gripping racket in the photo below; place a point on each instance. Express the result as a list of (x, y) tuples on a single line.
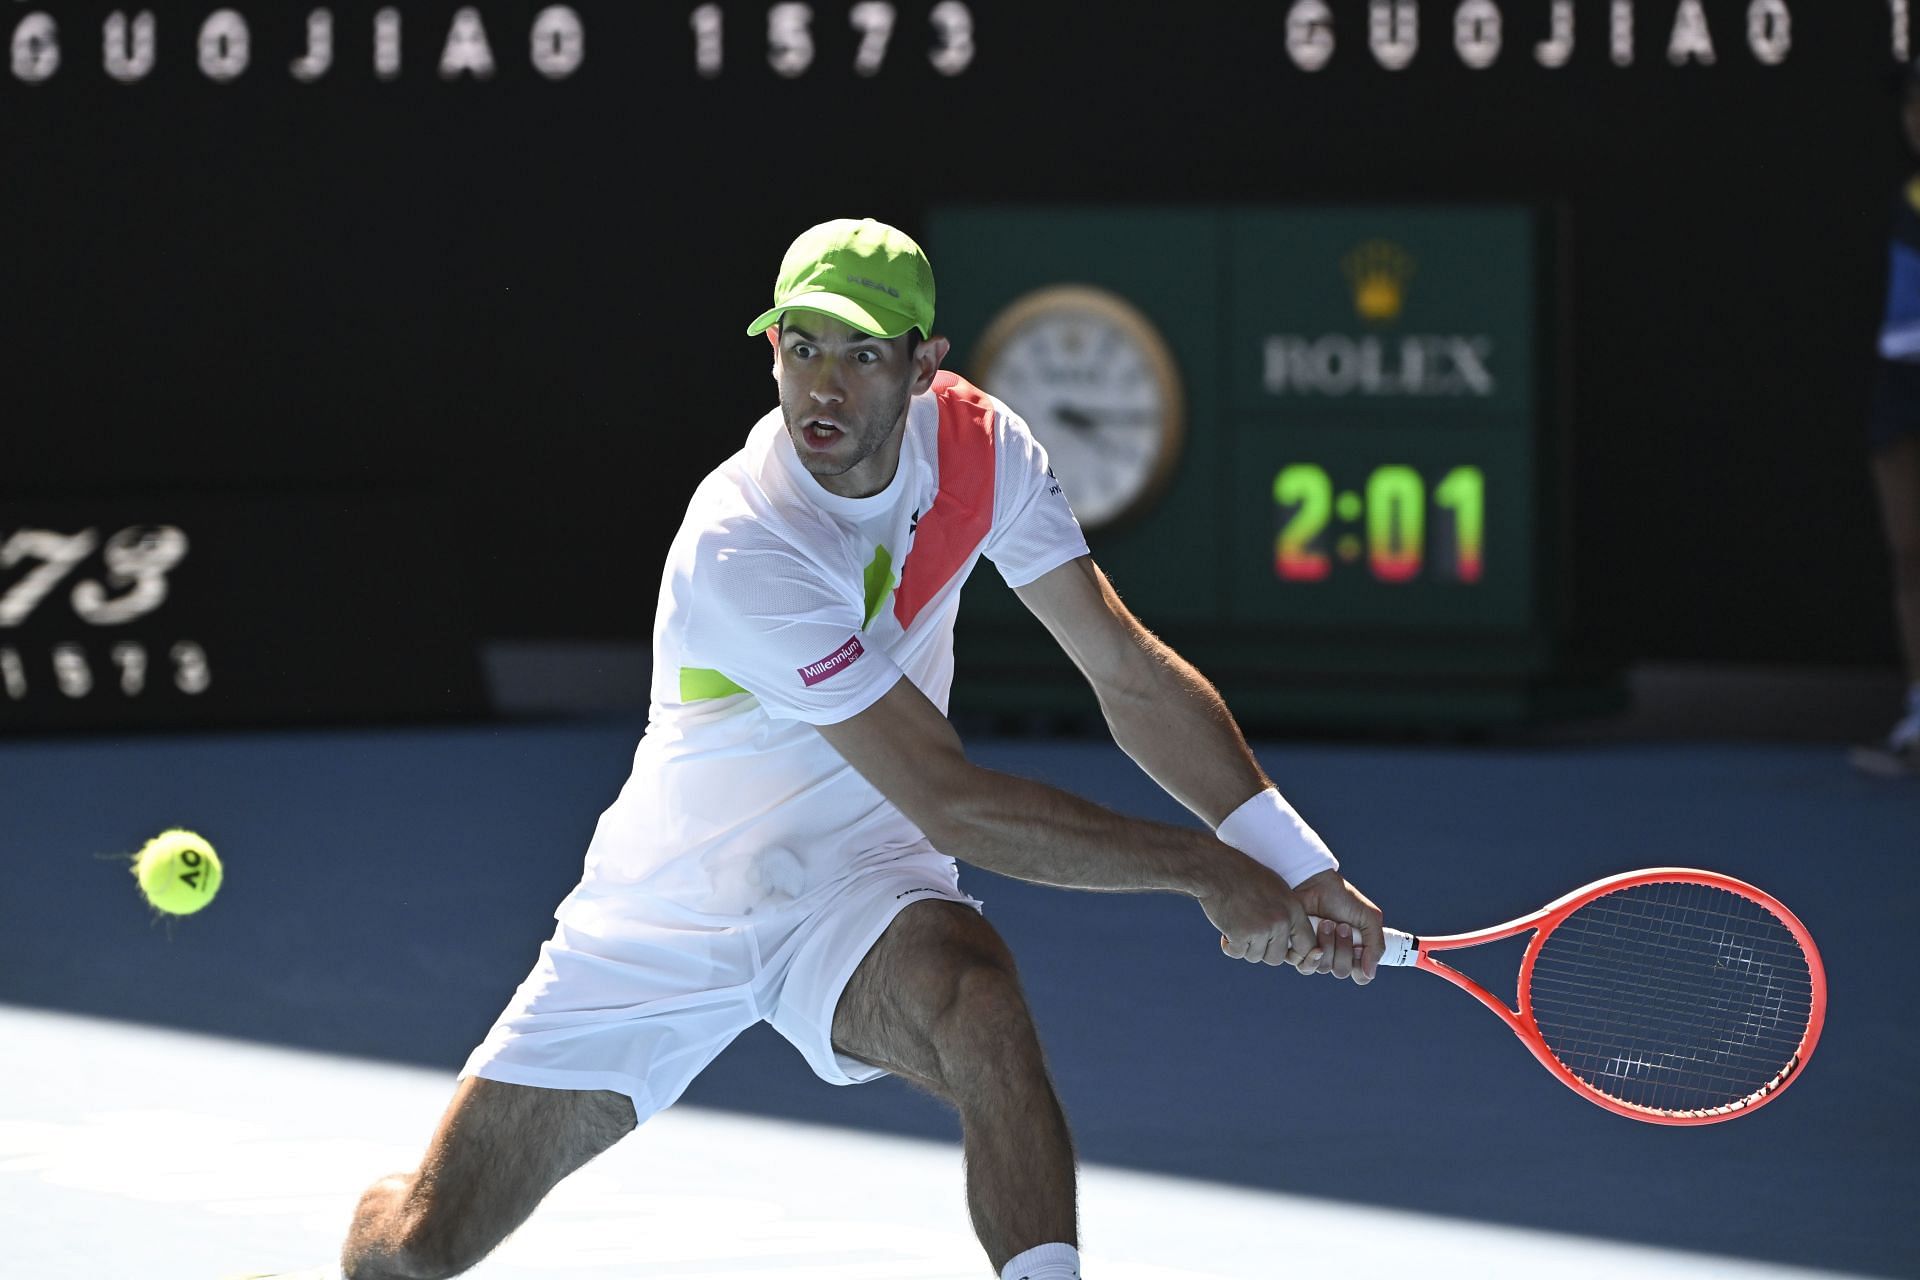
[(1671, 995)]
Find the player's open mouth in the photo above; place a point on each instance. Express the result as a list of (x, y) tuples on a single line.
[(820, 433)]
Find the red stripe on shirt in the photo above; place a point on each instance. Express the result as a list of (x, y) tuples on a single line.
[(961, 515)]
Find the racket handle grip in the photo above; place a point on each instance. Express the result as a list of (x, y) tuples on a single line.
[(1402, 948)]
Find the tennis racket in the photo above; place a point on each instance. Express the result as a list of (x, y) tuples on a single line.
[(1671, 995)]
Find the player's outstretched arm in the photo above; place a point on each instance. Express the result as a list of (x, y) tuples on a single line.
[(1162, 712), (1030, 831), (1173, 723)]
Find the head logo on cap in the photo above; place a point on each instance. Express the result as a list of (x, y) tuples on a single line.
[(866, 273)]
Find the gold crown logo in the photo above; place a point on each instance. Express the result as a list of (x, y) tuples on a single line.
[(1378, 271)]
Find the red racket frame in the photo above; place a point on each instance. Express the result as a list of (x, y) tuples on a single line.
[(1520, 1019)]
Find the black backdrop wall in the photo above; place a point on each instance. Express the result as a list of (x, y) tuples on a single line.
[(520, 294)]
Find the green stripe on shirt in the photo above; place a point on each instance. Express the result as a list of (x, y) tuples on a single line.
[(879, 581), (700, 683)]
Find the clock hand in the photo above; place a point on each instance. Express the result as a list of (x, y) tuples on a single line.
[(1078, 419)]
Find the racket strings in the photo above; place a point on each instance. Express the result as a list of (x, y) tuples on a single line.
[(1673, 996)]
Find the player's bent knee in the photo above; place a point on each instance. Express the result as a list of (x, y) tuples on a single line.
[(402, 1231), (430, 1244), (985, 1031)]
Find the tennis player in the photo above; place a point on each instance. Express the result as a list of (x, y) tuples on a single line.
[(785, 847)]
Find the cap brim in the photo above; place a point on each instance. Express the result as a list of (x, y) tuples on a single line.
[(880, 324)]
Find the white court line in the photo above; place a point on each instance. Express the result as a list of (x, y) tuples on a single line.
[(132, 1152)]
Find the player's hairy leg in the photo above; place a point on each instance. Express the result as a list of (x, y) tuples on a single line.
[(497, 1152), (1896, 474), (938, 1002)]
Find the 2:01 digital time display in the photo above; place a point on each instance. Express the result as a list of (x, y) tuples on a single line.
[(1403, 523)]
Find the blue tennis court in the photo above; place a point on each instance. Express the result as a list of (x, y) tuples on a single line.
[(206, 1097)]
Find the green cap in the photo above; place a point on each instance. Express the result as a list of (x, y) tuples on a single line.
[(866, 273)]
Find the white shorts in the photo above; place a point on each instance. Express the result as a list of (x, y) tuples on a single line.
[(643, 1013)]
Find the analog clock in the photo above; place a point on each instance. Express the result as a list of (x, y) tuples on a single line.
[(1098, 385)]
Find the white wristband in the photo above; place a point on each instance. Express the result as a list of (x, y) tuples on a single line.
[(1267, 830)]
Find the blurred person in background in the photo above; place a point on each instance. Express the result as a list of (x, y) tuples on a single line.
[(1894, 438)]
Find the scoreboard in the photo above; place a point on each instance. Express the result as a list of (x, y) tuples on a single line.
[(1382, 389), (1314, 447)]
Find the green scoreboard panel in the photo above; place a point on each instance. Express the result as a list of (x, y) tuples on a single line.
[(1313, 447)]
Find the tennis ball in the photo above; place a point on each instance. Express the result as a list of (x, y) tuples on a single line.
[(178, 872)]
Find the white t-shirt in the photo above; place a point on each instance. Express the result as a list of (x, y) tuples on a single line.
[(784, 606)]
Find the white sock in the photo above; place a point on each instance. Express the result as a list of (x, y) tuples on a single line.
[(1044, 1262)]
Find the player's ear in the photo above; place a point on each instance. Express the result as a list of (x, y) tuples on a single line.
[(926, 362), (773, 340)]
